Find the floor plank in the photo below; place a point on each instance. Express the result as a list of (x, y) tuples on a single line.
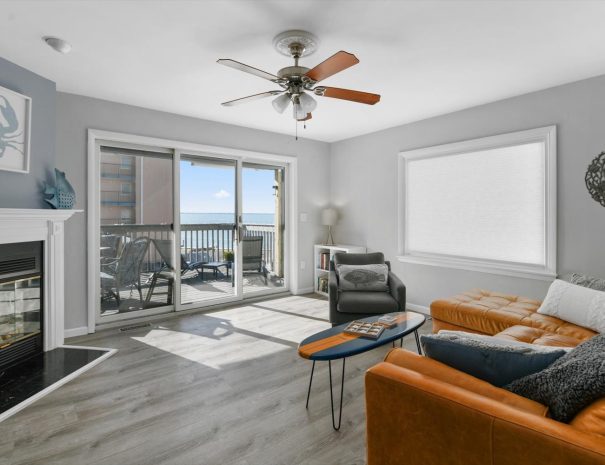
[(225, 387)]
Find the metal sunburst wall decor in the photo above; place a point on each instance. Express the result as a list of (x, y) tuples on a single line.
[(595, 178)]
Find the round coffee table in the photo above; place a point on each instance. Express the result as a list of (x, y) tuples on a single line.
[(334, 343)]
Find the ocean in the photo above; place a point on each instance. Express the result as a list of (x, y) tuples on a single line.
[(214, 218)]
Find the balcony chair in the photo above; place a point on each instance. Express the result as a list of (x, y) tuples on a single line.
[(347, 306), (125, 271), (252, 256), (166, 271)]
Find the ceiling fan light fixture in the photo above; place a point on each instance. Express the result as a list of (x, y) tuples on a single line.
[(281, 103), (307, 103), (298, 112)]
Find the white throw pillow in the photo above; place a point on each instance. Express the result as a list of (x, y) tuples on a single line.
[(576, 304)]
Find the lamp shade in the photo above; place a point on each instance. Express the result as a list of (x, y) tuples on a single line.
[(281, 103), (307, 103), (329, 216), (297, 111)]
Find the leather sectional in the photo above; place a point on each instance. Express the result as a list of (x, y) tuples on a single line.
[(420, 411)]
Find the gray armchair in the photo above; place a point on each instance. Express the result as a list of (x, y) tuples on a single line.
[(347, 306)]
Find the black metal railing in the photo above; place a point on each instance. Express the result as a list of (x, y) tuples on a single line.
[(199, 242)]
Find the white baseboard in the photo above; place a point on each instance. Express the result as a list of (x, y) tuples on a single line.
[(73, 332), (418, 308), (305, 290)]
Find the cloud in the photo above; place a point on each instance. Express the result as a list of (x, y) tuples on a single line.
[(222, 194)]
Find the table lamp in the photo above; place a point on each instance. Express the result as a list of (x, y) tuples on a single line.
[(329, 217)]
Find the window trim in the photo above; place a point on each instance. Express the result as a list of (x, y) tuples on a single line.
[(546, 135)]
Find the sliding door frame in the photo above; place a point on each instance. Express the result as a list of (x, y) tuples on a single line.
[(290, 164)]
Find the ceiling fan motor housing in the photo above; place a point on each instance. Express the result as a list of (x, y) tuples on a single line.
[(292, 72)]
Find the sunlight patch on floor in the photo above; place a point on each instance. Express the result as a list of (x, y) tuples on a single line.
[(214, 350)]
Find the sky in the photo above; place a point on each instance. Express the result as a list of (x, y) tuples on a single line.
[(211, 189)]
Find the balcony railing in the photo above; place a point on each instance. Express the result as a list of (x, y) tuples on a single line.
[(199, 242)]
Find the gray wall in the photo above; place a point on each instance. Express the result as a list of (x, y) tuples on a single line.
[(76, 114), (364, 184), (19, 190)]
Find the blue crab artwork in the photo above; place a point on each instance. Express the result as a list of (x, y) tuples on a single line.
[(9, 125), (62, 195)]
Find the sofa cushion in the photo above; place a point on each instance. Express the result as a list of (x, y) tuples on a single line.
[(571, 383), (366, 302), (577, 304), (442, 372), (496, 361), (363, 277), (491, 312), (538, 337)]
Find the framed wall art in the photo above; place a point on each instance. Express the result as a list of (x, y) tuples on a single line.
[(15, 123)]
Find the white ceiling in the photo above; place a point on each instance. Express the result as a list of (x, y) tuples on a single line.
[(425, 57)]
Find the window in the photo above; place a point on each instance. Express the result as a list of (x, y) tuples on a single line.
[(486, 204)]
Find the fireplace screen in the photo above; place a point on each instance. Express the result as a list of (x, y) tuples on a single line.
[(20, 305)]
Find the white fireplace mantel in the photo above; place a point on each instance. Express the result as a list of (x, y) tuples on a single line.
[(24, 225)]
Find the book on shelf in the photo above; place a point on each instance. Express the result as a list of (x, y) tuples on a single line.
[(322, 284), (324, 260)]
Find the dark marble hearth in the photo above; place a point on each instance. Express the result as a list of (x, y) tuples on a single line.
[(22, 381)]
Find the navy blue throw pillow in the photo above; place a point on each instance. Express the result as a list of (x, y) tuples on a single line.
[(497, 363)]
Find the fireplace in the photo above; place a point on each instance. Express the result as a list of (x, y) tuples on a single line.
[(21, 302)]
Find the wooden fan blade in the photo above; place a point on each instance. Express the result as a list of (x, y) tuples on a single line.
[(347, 94), (307, 118), (335, 64), (248, 69), (250, 98)]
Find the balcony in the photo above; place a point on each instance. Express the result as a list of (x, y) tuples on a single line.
[(200, 244)]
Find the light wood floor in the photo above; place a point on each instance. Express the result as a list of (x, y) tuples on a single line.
[(221, 388)]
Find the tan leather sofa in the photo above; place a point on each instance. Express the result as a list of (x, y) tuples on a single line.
[(421, 412)]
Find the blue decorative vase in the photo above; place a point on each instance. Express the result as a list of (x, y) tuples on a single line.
[(61, 196)]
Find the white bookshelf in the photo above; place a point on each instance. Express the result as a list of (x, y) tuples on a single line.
[(319, 272)]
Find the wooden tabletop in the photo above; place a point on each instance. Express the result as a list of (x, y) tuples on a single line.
[(333, 343)]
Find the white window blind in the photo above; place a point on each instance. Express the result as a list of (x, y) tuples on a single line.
[(478, 203)]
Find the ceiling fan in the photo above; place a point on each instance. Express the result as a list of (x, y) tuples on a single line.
[(298, 82)]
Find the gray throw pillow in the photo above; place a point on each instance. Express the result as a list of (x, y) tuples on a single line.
[(497, 363), (363, 277), (571, 383), (585, 281)]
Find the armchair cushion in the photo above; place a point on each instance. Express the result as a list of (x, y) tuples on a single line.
[(366, 302), (373, 258), (363, 277)]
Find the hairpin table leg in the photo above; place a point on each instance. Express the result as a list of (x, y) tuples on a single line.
[(418, 342), (342, 385), (310, 382)]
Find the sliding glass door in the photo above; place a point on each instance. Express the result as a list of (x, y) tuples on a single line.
[(136, 234), (263, 227), (208, 213), (180, 229)]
